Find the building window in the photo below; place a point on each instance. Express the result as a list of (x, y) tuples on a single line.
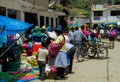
[(52, 22), (115, 13), (47, 21), (41, 21), (31, 18), (3, 11), (12, 13), (98, 13), (56, 22)]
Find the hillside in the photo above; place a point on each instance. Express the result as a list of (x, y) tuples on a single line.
[(83, 6)]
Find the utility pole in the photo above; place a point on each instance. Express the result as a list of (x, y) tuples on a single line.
[(91, 12)]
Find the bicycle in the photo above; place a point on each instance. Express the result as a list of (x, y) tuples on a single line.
[(101, 50), (92, 48), (84, 49)]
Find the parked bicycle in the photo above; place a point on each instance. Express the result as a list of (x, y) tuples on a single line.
[(84, 49), (101, 50)]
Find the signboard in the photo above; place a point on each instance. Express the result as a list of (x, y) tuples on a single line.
[(96, 17), (98, 7)]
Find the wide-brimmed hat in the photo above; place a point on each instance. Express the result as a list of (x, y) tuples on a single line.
[(43, 27)]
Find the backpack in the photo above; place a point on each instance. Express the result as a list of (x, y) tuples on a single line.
[(112, 33), (54, 48)]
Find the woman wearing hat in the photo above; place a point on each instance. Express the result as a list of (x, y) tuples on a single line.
[(61, 58)]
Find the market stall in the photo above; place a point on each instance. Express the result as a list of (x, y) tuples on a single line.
[(10, 47)]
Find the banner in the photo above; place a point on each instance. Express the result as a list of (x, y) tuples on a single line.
[(96, 17)]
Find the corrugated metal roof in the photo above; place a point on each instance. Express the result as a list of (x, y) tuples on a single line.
[(112, 6), (103, 7)]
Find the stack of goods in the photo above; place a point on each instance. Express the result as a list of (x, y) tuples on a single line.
[(32, 61)]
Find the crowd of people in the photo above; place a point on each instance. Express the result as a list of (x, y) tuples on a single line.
[(38, 42), (61, 63)]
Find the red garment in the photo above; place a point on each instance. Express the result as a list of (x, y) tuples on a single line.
[(35, 48), (96, 35), (85, 33)]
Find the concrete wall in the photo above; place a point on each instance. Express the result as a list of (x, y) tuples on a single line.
[(106, 17), (41, 9), (43, 3)]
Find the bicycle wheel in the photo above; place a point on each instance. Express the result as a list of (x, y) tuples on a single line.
[(102, 52), (84, 51), (92, 51)]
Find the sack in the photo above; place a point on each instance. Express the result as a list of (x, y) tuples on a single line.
[(54, 48), (112, 34)]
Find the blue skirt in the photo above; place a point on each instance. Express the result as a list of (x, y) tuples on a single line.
[(61, 60)]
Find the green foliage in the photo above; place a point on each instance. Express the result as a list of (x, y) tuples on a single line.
[(56, 7), (6, 76), (84, 6)]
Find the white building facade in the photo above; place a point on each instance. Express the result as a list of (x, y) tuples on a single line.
[(32, 11), (105, 13)]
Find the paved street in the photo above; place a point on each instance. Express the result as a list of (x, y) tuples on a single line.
[(95, 70)]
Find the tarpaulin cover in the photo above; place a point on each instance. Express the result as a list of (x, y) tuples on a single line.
[(9, 26), (110, 23), (78, 24)]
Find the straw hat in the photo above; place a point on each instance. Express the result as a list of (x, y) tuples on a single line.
[(43, 27)]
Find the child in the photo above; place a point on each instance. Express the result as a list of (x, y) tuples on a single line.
[(41, 57)]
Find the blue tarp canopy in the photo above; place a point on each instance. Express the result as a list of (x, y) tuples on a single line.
[(78, 24), (114, 24), (9, 26)]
